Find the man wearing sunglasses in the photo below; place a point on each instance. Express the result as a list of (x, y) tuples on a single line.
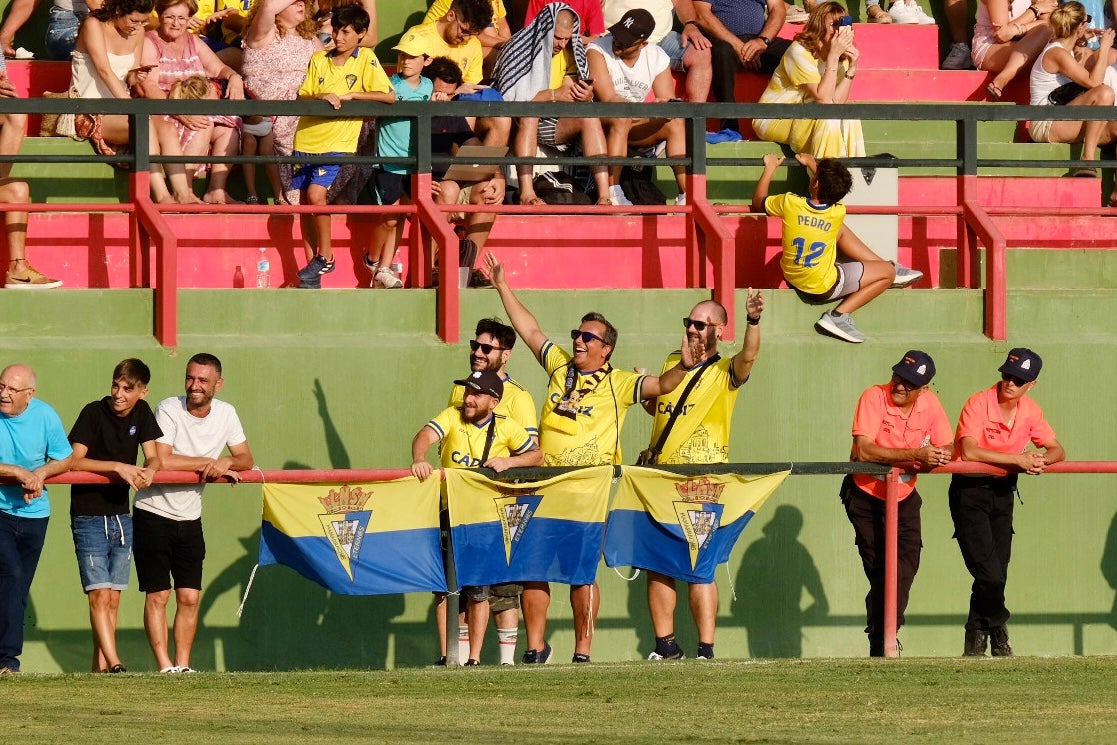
[(490, 349), (900, 421), (995, 428), (587, 400), (699, 434)]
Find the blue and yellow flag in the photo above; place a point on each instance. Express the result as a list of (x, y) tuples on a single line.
[(541, 531), (356, 539), (681, 526)]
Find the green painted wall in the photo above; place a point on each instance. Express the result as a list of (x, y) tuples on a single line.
[(344, 379)]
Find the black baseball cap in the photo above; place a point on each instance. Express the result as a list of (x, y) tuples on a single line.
[(635, 25), (484, 381), (1022, 363), (915, 367)]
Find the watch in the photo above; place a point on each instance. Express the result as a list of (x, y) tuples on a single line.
[(766, 40)]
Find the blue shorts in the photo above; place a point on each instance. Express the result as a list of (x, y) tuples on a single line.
[(321, 174), (104, 549), (673, 45)]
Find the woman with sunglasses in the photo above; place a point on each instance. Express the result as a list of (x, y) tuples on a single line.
[(1008, 36), (1067, 61), (995, 428), (818, 67)]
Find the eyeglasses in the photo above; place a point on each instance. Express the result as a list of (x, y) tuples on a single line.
[(585, 336), (1089, 19), (485, 348), (698, 325), (1019, 383), (464, 30), (9, 389)]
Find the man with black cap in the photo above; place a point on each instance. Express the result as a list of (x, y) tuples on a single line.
[(995, 428), (624, 67), (473, 436), (900, 421)]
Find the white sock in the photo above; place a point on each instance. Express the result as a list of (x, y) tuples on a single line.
[(463, 644), (508, 639)]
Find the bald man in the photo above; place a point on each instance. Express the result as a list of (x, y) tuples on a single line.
[(33, 447), (698, 434)]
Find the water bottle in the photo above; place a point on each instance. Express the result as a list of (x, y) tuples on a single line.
[(397, 265), (238, 278), (263, 270)]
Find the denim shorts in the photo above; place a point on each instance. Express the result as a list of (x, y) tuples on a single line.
[(673, 45), (62, 33), (104, 548)]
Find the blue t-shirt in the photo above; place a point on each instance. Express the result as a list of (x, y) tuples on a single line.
[(741, 17), (30, 440), (394, 133)]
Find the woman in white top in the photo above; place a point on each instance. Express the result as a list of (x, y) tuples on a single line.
[(1008, 35), (1068, 60), (104, 65)]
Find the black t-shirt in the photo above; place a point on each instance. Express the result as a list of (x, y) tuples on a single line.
[(446, 133), (109, 437)]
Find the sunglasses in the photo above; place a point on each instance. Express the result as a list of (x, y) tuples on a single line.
[(485, 348), (585, 336), (698, 325), (1014, 380)]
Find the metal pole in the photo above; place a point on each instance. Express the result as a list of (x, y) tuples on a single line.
[(891, 554)]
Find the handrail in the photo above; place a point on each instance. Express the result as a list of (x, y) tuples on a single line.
[(707, 238)]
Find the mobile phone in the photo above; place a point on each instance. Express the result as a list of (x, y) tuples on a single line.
[(587, 81), (845, 21)]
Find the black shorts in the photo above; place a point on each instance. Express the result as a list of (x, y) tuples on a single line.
[(391, 187), (166, 549)]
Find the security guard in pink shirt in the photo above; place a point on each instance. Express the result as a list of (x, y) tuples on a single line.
[(996, 426)]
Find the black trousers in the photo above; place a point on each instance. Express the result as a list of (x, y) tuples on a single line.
[(866, 514), (726, 63), (981, 507)]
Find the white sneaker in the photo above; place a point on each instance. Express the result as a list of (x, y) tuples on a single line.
[(796, 15), (920, 16), (905, 276), (841, 326), (680, 199), (616, 193), (387, 279), (901, 12), (959, 57)]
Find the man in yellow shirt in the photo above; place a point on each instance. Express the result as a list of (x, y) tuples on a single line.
[(698, 433), (472, 436), (587, 400)]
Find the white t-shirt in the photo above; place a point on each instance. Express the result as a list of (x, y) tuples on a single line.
[(631, 83), (195, 438), (662, 11)]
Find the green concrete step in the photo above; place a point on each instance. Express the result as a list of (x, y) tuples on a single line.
[(73, 317), (1063, 269), (73, 181)]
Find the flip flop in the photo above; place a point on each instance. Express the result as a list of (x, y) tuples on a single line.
[(994, 92)]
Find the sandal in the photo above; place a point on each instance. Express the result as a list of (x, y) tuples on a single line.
[(994, 91), (251, 200), (1083, 172)]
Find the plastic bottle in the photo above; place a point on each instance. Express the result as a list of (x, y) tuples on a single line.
[(397, 264), (238, 278), (263, 270)]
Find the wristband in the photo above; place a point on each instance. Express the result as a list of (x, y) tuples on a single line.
[(1034, 11), (749, 320)]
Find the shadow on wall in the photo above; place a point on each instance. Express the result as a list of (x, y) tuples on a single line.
[(774, 573), (1109, 566)]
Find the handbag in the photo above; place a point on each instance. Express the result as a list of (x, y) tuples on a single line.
[(650, 456), (1065, 93)]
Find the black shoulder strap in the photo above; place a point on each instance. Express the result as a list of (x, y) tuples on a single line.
[(658, 447), (490, 435)]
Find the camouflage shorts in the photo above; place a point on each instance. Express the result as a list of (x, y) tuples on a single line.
[(505, 597)]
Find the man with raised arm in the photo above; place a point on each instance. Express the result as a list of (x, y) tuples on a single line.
[(587, 400), (692, 425), (168, 541)]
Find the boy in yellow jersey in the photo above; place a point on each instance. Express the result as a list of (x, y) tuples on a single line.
[(814, 234), (473, 436), (348, 72)]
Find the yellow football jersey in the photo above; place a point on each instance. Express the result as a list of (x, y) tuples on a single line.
[(810, 241), (701, 432), (463, 444)]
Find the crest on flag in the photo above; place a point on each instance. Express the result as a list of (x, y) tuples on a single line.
[(345, 522), (515, 513), (699, 513)]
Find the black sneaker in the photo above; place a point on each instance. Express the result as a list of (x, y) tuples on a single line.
[(472, 663), (976, 640), (316, 268), (998, 642), (677, 654), (580, 658), (440, 662), (537, 656), (118, 669)]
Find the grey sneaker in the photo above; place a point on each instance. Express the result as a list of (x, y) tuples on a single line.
[(387, 279), (905, 276), (958, 58), (839, 325)]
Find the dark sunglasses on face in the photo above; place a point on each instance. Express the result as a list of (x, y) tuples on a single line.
[(485, 348), (698, 325), (585, 336), (1014, 380)]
